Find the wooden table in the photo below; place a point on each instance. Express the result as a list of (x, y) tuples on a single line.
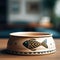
[(3, 45)]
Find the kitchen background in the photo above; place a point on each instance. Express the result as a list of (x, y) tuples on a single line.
[(29, 15)]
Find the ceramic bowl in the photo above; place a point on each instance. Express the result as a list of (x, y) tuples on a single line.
[(31, 43)]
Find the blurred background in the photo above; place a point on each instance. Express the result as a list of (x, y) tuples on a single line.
[(29, 15)]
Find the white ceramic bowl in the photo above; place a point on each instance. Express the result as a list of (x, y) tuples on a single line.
[(31, 43)]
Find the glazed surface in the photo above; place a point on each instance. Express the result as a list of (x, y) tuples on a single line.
[(31, 34)]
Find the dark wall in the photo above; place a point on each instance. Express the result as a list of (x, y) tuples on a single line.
[(3, 11), (49, 3)]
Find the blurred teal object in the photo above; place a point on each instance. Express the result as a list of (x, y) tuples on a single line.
[(55, 33), (5, 33), (20, 22)]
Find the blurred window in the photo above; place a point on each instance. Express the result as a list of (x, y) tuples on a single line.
[(33, 6), (14, 6)]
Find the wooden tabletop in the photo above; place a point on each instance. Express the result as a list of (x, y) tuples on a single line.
[(55, 56)]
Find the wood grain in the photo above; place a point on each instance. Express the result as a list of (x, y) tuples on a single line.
[(55, 56)]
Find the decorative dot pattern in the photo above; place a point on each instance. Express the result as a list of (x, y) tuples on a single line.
[(31, 53)]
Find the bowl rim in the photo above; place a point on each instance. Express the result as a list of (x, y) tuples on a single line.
[(31, 34)]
